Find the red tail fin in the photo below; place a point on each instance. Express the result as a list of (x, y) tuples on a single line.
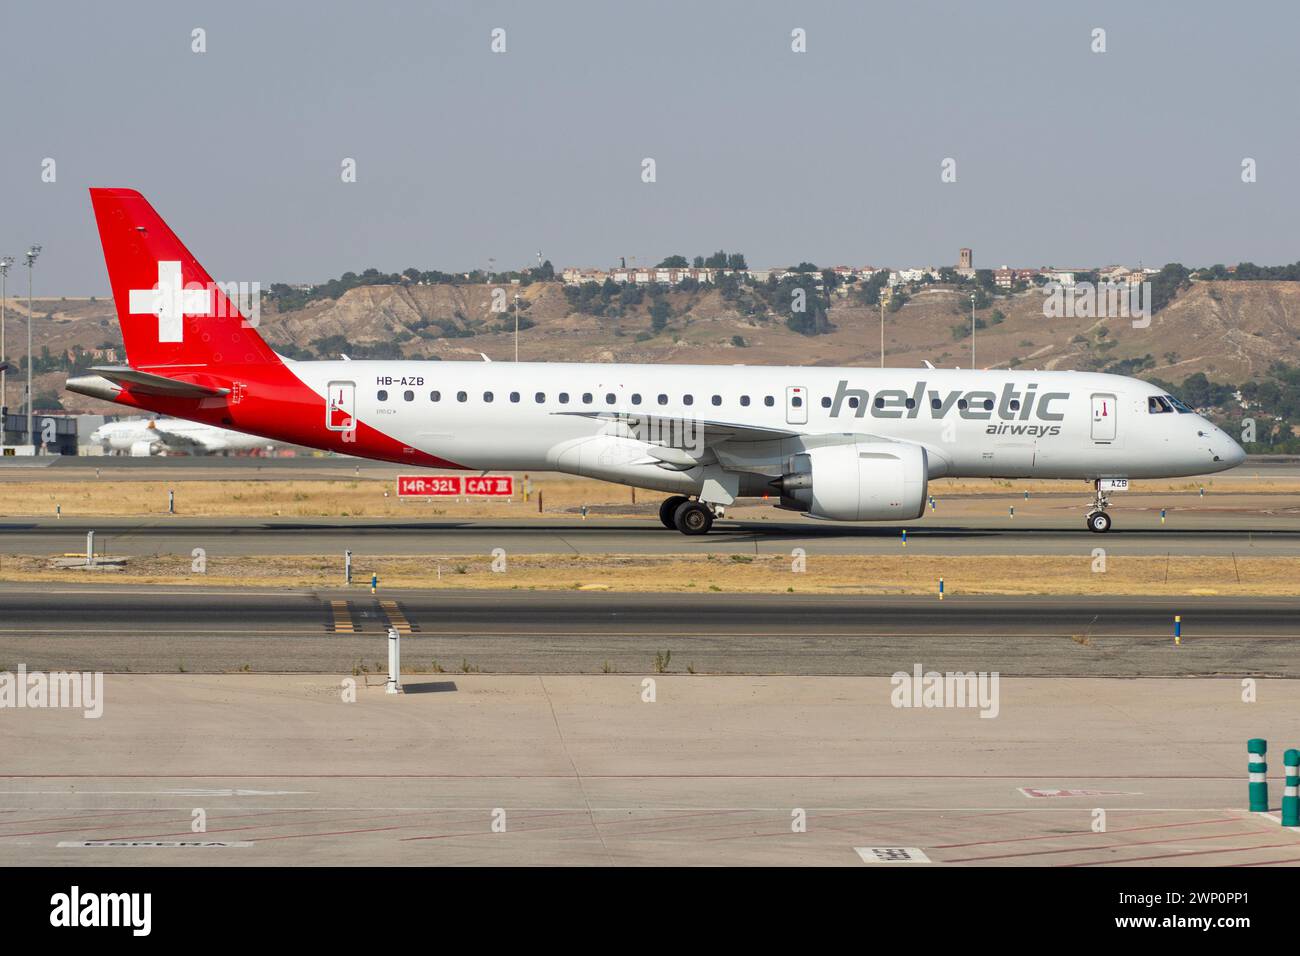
[(170, 310)]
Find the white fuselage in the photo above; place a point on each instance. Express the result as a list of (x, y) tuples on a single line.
[(999, 423)]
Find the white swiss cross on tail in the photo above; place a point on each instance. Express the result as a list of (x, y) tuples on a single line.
[(171, 302)]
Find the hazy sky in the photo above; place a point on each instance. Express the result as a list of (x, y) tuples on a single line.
[(1063, 155)]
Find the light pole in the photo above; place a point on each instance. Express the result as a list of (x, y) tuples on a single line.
[(972, 331), (882, 333), (5, 263), (30, 257), (516, 326)]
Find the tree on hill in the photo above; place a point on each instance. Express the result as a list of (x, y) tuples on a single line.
[(1166, 284), (673, 262), (724, 260), (660, 313)]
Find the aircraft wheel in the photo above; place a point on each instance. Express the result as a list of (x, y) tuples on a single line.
[(668, 509), (693, 518), (1099, 522)]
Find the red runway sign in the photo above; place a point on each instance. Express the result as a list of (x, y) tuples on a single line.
[(452, 486)]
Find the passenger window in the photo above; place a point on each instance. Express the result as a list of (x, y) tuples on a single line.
[(826, 401), (853, 401), (962, 404), (1014, 405), (769, 401), (936, 404), (910, 403), (880, 402), (636, 398), (487, 396), (462, 396), (796, 402), (564, 398), (514, 396), (688, 399), (610, 398), (435, 396), (586, 398), (663, 399), (717, 399), (382, 395), (408, 396), (988, 404), (540, 397), (744, 400)]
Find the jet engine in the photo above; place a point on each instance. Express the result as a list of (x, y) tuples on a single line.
[(857, 481)]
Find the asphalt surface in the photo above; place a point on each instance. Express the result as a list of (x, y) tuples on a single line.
[(168, 630), (510, 770), (1135, 533)]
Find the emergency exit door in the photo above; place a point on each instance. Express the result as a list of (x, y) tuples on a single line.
[(341, 406), (1103, 418), (796, 405)]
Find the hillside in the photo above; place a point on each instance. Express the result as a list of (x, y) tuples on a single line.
[(1230, 330)]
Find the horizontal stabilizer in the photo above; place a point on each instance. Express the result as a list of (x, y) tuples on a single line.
[(137, 381)]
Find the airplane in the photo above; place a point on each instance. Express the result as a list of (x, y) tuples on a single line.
[(842, 444), (142, 437)]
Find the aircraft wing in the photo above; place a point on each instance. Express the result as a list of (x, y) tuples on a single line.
[(665, 428), (177, 440)]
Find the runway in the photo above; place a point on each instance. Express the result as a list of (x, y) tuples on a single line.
[(173, 629), (1136, 533), (477, 769)]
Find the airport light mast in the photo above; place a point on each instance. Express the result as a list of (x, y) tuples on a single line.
[(5, 263), (972, 331), (30, 258)]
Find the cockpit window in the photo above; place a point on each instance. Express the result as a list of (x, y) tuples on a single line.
[(1159, 405), (1180, 406)]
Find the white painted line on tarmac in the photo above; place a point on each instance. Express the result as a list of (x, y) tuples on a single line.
[(151, 844)]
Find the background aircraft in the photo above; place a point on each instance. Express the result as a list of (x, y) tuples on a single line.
[(143, 436)]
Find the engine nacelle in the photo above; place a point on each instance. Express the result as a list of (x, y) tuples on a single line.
[(859, 481), (143, 449)]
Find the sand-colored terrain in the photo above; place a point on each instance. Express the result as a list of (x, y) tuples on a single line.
[(376, 497), (825, 574)]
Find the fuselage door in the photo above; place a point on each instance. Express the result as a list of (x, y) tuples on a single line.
[(796, 405), (1103, 418), (341, 406)]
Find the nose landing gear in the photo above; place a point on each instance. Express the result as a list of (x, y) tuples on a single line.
[(1098, 519)]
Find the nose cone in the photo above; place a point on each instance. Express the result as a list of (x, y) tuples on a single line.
[(1236, 454), (1227, 453)]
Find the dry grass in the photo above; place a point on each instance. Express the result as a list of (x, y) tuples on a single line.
[(901, 574), (374, 497)]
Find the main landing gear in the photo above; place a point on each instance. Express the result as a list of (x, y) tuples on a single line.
[(686, 516), (1098, 519)]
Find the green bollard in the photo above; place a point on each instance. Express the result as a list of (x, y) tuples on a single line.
[(1258, 767), (1291, 793)]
